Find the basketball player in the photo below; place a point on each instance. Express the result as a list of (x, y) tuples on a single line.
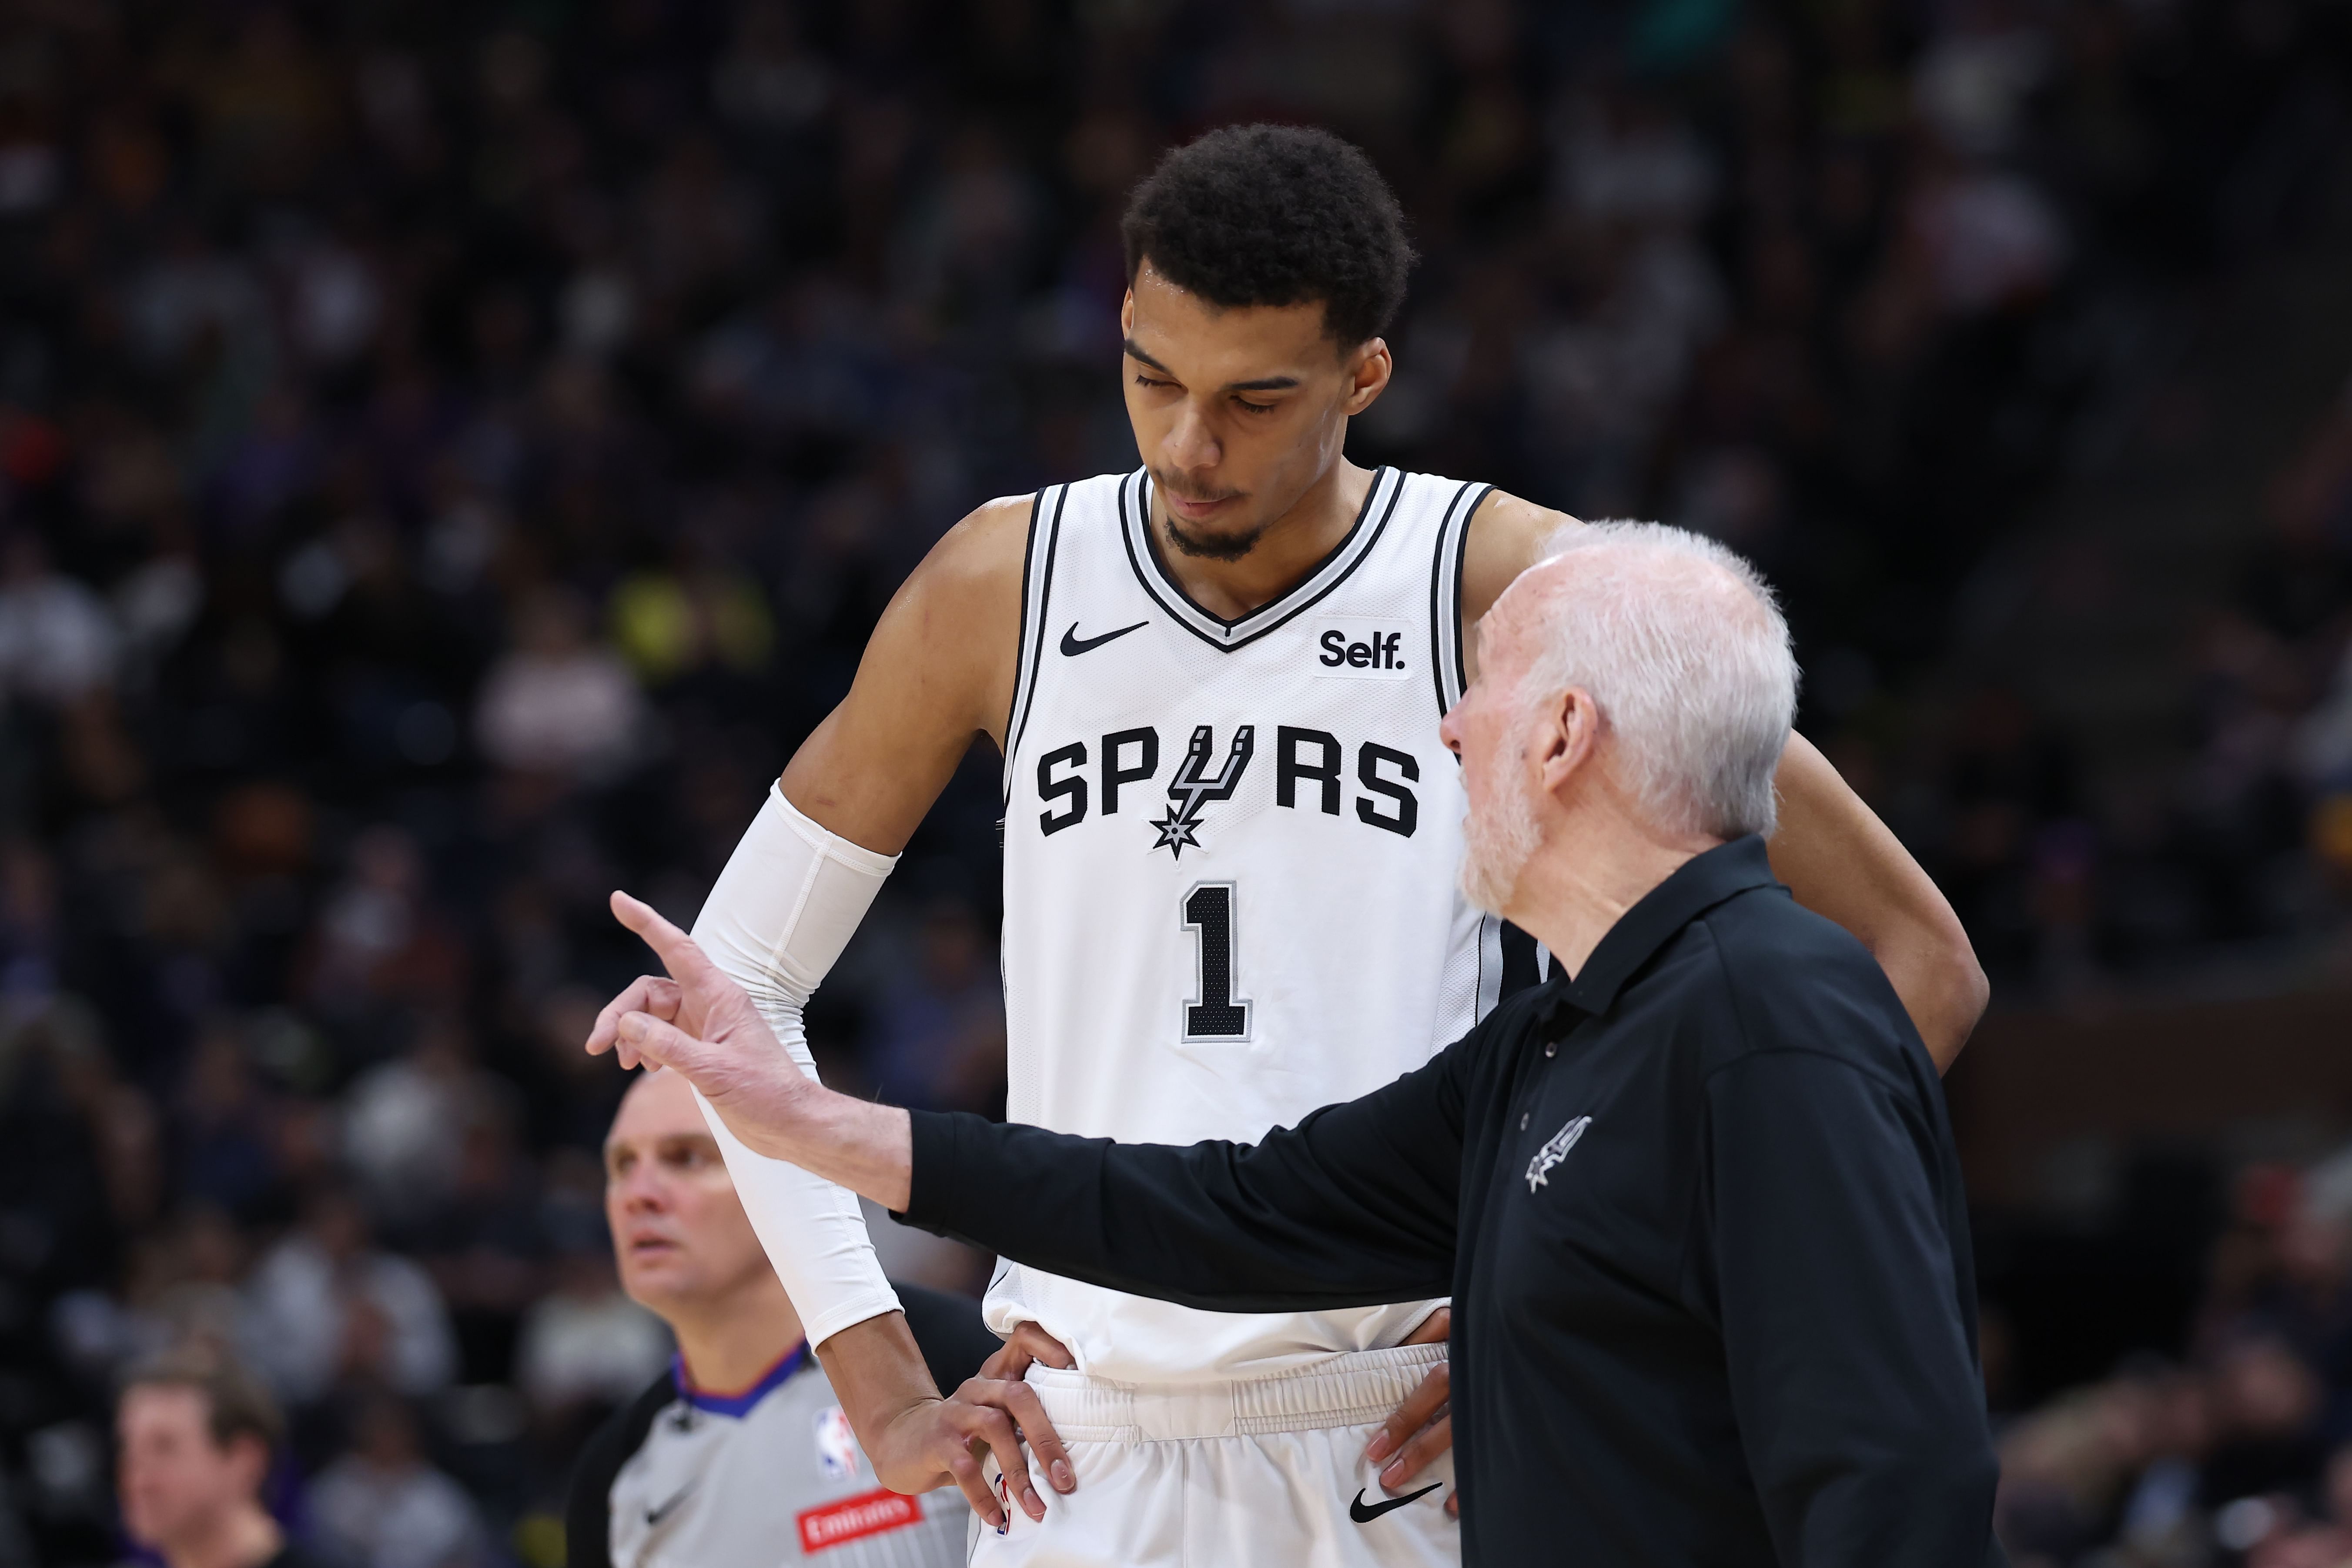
[(1231, 839)]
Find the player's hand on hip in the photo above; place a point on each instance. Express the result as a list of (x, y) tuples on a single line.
[(1422, 1428), (700, 1023), (1027, 1345), (987, 1416)]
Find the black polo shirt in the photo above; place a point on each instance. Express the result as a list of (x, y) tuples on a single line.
[(1699, 1212)]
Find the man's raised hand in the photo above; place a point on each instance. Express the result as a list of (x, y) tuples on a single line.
[(700, 1023)]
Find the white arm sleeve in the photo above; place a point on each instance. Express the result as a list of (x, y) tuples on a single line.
[(784, 908)]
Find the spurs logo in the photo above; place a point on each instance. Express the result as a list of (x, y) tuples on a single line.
[(1554, 1150), (1192, 788)]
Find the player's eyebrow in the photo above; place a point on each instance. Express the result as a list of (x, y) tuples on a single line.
[(1262, 383)]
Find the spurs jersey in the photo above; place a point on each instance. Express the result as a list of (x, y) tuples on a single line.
[(1230, 851)]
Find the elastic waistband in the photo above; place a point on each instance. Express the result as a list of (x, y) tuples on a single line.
[(1353, 1388)]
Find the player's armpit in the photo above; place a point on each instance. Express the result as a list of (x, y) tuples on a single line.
[(937, 672), (1842, 862)]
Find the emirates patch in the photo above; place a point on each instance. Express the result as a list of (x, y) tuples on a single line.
[(855, 1517)]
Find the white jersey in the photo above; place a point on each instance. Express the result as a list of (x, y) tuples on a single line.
[(1230, 851)]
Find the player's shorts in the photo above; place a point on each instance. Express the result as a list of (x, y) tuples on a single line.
[(1263, 1473)]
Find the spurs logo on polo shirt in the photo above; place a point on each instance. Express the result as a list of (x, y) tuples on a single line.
[(1554, 1150)]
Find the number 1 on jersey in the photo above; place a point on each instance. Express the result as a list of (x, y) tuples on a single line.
[(1213, 1016)]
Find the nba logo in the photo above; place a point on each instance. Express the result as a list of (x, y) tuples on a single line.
[(837, 1445)]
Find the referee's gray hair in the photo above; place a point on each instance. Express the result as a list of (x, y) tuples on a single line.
[(1684, 649)]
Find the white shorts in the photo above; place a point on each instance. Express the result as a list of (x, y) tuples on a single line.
[(1267, 1472)]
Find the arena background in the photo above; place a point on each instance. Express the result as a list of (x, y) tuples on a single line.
[(449, 455)]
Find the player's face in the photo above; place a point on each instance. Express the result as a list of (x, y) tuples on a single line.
[(679, 1233), (1237, 412), (175, 1480)]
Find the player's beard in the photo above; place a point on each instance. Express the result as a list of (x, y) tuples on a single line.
[(1229, 546), (1499, 842), (1214, 546)]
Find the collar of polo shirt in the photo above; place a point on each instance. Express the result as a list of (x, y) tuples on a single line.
[(1697, 885)]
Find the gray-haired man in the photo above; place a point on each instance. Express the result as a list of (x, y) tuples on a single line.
[(1695, 1197)]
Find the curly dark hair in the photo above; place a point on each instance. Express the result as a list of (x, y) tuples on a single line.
[(1275, 215)]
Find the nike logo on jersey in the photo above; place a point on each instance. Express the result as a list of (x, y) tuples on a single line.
[(654, 1516), (1074, 645), (1364, 1514)]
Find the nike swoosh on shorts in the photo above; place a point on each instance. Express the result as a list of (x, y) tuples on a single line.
[(1363, 1515)]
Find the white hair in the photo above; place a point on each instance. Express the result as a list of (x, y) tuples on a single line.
[(1684, 650)]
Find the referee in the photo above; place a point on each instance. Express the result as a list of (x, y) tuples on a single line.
[(739, 1456), (1694, 1197)]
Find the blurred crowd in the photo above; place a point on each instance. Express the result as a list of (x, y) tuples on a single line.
[(2237, 1451), (2237, 855), (450, 454)]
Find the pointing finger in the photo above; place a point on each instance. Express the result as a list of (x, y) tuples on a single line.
[(680, 953)]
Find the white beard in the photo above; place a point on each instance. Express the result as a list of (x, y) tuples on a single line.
[(1498, 845)]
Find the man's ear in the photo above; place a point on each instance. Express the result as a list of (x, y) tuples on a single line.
[(1373, 365), (1571, 735), (1126, 315)]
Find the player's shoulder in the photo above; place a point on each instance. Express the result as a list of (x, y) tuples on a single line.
[(969, 582), (989, 546), (990, 536), (1506, 535)]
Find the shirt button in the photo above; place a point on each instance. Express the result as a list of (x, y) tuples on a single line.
[(1523, 1120), (1551, 1047)]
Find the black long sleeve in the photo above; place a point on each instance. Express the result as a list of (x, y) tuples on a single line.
[(1357, 1204), (1844, 1335)]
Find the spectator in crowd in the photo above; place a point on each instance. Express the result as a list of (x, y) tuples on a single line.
[(584, 1342), (381, 1505), (196, 1438), (556, 704), (2242, 1452), (326, 1305)]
